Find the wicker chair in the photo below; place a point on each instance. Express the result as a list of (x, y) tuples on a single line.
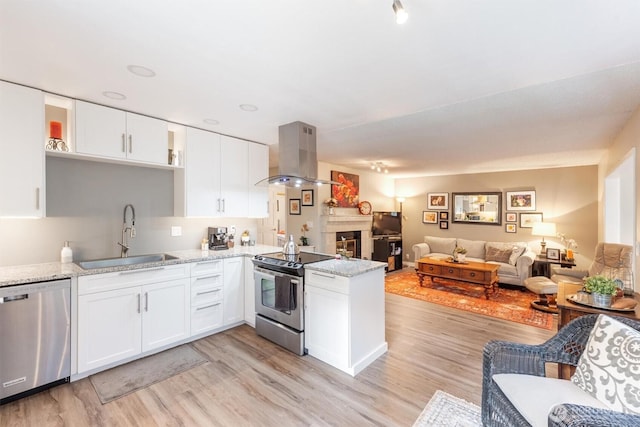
[(565, 347)]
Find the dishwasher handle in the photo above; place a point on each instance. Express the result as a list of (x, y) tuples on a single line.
[(12, 298)]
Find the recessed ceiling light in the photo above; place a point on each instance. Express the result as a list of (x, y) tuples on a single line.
[(211, 121), (141, 71), (114, 95), (248, 107)]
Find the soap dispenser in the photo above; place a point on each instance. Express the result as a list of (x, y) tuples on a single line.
[(66, 254)]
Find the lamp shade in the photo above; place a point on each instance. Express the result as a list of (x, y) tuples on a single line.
[(544, 229)]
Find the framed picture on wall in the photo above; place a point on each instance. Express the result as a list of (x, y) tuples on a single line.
[(511, 228), (528, 219), (444, 215), (444, 225), (429, 217), (521, 200), (511, 217), (438, 201), (307, 197), (294, 206)]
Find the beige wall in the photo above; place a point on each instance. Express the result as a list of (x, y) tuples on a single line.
[(628, 139), (566, 196)]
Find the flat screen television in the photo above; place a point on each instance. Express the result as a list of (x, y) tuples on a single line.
[(387, 224)]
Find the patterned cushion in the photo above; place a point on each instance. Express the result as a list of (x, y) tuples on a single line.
[(517, 250), (609, 368), (498, 254)]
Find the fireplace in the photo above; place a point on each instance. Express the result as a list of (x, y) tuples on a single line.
[(331, 225), (349, 243)]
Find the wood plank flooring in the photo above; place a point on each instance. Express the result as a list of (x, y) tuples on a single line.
[(252, 382)]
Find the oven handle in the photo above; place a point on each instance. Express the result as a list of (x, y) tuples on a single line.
[(259, 271)]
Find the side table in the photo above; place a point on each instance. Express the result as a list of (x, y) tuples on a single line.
[(567, 311), (542, 266)]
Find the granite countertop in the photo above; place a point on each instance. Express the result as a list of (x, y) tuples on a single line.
[(21, 274), (346, 267)]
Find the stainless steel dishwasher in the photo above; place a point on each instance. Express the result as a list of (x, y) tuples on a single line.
[(35, 337)]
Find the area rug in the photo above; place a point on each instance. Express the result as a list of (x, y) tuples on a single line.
[(122, 380), (445, 410), (507, 304)]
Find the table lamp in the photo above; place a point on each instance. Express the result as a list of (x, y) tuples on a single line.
[(544, 229)]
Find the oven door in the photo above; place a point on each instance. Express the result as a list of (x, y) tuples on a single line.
[(269, 299)]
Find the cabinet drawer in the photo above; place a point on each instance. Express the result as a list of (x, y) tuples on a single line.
[(123, 279), (475, 276), (450, 272), (430, 269), (205, 294), (327, 281), (206, 318), (206, 267)]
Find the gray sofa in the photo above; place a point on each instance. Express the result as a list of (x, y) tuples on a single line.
[(514, 258)]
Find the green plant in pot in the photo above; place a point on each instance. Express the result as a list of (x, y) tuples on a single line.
[(459, 254), (602, 289)]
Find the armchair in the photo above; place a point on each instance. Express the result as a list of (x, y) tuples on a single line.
[(611, 260), (537, 391)]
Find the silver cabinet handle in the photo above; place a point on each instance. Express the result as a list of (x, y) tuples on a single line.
[(138, 303), (224, 207), (328, 276), (145, 270), (130, 144), (146, 301), (207, 292), (207, 306), (207, 277), (38, 198), (124, 149)]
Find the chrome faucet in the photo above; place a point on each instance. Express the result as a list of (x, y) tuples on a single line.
[(132, 230)]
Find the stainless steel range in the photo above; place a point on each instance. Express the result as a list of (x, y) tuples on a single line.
[(279, 281)]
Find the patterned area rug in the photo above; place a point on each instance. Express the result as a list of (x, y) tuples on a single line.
[(445, 410), (507, 304)]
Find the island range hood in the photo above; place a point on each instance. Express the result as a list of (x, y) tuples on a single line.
[(297, 157)]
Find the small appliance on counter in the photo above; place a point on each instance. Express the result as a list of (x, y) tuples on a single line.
[(218, 238)]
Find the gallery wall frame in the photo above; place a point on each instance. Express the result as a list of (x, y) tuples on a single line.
[(521, 200), (444, 225), (529, 218), (511, 228), (307, 197), (429, 217), (477, 208), (438, 201), (511, 217), (294, 207)]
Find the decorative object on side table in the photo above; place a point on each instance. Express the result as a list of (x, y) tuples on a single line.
[(553, 254), (543, 229), (602, 289), (55, 142)]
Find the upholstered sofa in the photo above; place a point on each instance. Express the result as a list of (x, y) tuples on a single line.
[(514, 258)]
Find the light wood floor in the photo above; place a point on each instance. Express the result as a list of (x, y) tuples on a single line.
[(251, 382)]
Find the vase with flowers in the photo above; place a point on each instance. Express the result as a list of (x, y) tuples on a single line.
[(304, 240), (459, 254), (570, 246), (331, 203)]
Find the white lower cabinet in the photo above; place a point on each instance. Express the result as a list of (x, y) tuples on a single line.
[(344, 318), (121, 315), (249, 293), (233, 311), (207, 290)]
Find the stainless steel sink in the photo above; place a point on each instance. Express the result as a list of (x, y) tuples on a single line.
[(117, 262)]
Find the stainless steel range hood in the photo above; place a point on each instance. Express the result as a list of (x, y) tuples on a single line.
[(297, 158)]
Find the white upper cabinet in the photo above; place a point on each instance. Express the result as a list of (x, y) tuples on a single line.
[(108, 132), (215, 177), (22, 142), (258, 170)]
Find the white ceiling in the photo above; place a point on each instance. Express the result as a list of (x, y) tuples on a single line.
[(463, 86)]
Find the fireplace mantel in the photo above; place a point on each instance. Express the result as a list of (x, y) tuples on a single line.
[(332, 224)]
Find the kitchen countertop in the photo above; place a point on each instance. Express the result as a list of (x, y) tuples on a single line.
[(345, 267), (21, 274)]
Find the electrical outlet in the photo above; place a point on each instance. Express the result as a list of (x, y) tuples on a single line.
[(176, 230)]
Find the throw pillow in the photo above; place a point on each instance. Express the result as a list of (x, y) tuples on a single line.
[(516, 251), (498, 254), (609, 368)]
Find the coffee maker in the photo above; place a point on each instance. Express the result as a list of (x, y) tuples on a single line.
[(218, 238)]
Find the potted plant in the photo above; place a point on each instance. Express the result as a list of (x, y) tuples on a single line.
[(459, 254), (304, 240), (602, 289)]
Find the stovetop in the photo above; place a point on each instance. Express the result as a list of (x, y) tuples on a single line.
[(291, 264)]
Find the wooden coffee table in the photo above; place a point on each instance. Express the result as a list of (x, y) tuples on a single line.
[(473, 272)]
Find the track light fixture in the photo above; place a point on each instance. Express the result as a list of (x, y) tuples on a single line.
[(401, 14), (379, 167)]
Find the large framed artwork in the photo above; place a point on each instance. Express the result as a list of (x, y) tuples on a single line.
[(347, 193), (521, 200)]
